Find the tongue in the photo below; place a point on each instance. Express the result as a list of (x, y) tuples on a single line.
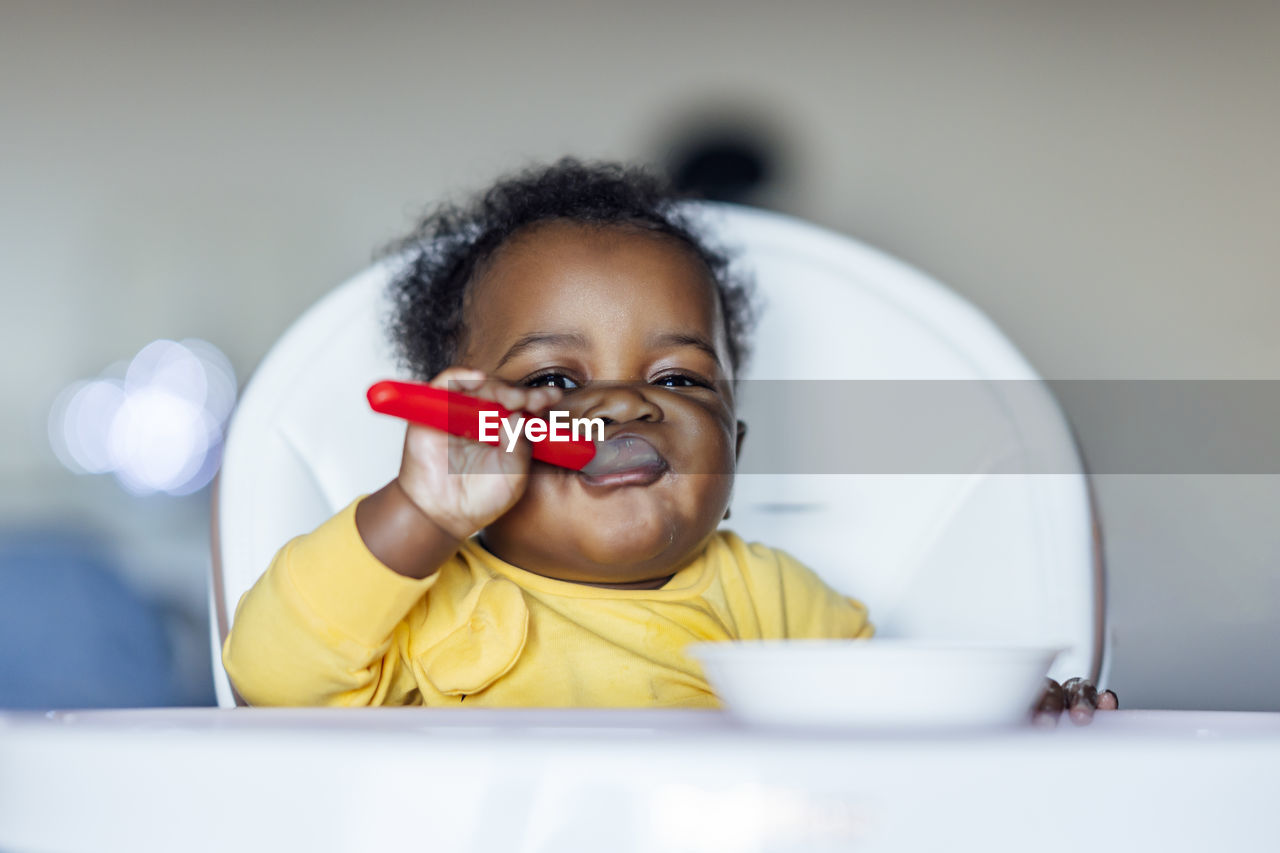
[(622, 454)]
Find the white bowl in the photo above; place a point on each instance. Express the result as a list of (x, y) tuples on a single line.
[(880, 684)]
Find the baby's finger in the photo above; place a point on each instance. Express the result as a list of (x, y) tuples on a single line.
[(509, 396), (1081, 713), (486, 388), (1082, 699), (516, 398), (1051, 705), (1108, 701), (461, 379), (541, 398), (478, 384)]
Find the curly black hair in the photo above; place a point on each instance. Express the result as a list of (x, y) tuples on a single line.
[(451, 243)]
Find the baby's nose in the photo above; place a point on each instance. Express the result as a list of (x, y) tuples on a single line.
[(621, 403)]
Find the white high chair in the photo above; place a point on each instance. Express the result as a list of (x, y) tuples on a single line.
[(966, 556)]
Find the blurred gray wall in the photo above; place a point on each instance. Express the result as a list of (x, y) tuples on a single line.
[(1100, 177)]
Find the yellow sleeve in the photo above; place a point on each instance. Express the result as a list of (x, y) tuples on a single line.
[(792, 602), (324, 624)]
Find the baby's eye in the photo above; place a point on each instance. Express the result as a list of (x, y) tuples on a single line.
[(679, 380), (550, 380)]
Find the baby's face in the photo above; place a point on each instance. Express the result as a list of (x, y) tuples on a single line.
[(628, 323)]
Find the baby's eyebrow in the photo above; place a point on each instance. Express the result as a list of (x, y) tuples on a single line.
[(569, 339), (685, 339)]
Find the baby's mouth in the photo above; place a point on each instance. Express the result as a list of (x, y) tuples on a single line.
[(623, 461)]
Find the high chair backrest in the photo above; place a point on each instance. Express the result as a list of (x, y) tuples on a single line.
[(977, 554)]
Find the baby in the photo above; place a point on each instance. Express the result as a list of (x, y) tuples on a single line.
[(478, 576)]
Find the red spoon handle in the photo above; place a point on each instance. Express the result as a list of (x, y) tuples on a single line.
[(458, 414)]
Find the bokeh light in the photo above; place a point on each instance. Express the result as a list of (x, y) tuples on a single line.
[(157, 429)]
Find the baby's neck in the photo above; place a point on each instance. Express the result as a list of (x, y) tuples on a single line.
[(656, 583), (653, 583)]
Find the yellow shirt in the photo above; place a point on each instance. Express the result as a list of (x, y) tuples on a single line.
[(328, 624)]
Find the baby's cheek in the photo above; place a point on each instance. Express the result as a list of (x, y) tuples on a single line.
[(710, 449), (704, 498)]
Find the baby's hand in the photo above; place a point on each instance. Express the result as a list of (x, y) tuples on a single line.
[(1078, 697), (463, 485)]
